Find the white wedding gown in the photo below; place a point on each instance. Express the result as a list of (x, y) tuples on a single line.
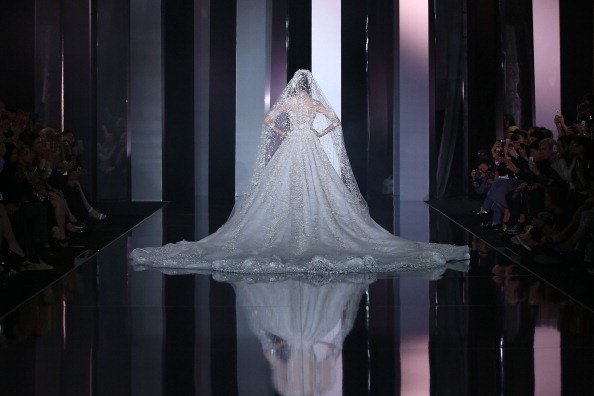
[(301, 214)]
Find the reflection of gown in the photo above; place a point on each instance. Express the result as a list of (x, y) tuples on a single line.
[(299, 215), (301, 328)]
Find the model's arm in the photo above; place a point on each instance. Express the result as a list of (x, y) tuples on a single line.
[(334, 121), (269, 120)]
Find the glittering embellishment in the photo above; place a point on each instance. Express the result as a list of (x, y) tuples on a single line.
[(302, 212)]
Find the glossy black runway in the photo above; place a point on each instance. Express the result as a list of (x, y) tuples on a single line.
[(492, 329)]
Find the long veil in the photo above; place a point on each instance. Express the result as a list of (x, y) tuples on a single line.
[(332, 142), (302, 211)]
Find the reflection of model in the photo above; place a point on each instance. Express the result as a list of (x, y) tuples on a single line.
[(301, 328), (302, 211)]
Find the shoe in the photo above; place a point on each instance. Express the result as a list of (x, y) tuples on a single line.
[(478, 211), (96, 215)]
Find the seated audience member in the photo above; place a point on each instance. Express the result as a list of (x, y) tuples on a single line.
[(505, 181), (536, 173), (582, 151), (556, 216), (561, 166), (483, 176), (26, 211)]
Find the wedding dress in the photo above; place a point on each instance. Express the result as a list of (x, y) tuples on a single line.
[(302, 211)]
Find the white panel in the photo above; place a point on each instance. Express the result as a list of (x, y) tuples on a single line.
[(547, 69), (146, 103), (414, 220), (253, 58), (414, 336), (413, 91), (325, 49), (547, 361)]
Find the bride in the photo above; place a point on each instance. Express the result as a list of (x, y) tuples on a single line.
[(302, 211)]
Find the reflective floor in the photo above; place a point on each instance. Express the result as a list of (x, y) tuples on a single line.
[(490, 329)]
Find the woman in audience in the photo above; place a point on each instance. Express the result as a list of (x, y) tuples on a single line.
[(27, 213)]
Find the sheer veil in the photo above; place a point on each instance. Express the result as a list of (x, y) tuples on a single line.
[(302, 211), (280, 120)]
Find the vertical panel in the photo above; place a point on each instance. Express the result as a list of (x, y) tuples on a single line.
[(380, 92), (222, 111), (547, 361), (48, 63), (179, 330), (354, 86), (113, 318), (223, 340), (146, 103), (413, 133), (547, 62), (517, 61), (384, 360), (17, 77), (79, 76), (278, 48), (299, 36), (146, 295), (355, 353), (201, 115), (178, 102), (483, 72), (326, 49), (253, 44), (577, 49), (202, 336), (113, 49), (414, 336)]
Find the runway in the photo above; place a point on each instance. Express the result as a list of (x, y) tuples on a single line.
[(492, 328)]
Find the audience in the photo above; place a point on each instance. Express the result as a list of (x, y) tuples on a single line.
[(42, 202), (540, 193)]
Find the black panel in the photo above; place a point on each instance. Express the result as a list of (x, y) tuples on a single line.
[(483, 75), (577, 46), (79, 80), (517, 59), (355, 354), (380, 80), (48, 63), (222, 111), (299, 47), (223, 340), (179, 335), (112, 60), (178, 104), (354, 86), (17, 31), (384, 347)]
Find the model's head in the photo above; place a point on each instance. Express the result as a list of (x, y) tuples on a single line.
[(301, 83)]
